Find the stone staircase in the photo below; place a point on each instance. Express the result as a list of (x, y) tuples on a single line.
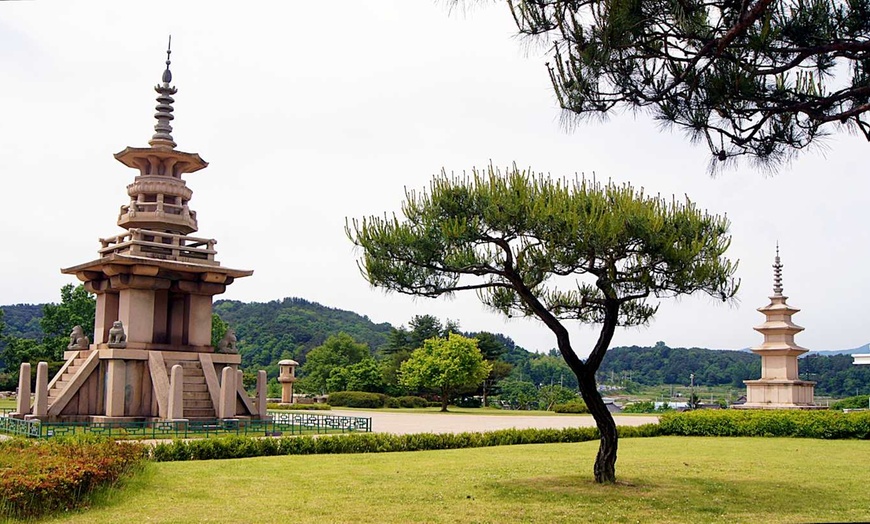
[(197, 400), (65, 379)]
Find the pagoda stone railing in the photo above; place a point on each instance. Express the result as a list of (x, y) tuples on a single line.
[(157, 244)]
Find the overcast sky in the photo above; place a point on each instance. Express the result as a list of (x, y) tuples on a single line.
[(311, 112)]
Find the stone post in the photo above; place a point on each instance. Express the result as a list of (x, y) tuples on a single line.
[(227, 406), (260, 400), (23, 406), (176, 393), (40, 401), (116, 381)]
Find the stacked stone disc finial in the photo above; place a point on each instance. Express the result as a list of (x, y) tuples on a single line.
[(777, 273), (162, 137)]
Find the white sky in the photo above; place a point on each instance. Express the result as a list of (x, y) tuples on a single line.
[(310, 112)]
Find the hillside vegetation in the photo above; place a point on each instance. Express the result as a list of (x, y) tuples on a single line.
[(290, 328)]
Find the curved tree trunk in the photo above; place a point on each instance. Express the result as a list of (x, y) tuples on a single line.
[(605, 462)]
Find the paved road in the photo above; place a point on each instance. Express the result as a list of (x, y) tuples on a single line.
[(402, 423)]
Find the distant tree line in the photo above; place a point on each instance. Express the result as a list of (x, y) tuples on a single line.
[(370, 355)]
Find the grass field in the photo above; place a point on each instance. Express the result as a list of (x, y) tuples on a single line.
[(7, 404), (665, 479)]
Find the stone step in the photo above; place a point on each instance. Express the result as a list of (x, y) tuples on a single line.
[(73, 369), (79, 361), (201, 395), (195, 388), (193, 380), (201, 413), (198, 404), (190, 366)]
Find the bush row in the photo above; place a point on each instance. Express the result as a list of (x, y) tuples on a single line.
[(575, 406), (357, 399), (360, 399), (407, 402), (242, 447), (773, 423), (298, 407), (38, 477)]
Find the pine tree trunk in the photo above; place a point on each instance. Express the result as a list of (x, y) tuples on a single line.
[(605, 462)]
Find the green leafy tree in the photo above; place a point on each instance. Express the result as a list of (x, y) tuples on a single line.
[(77, 308), (761, 78), (549, 396), (500, 371), (519, 394), (445, 365), (219, 328), (338, 351), (555, 250)]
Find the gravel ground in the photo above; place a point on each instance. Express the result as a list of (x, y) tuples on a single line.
[(403, 423)]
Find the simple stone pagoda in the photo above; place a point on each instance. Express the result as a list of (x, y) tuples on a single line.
[(151, 357), (779, 386)]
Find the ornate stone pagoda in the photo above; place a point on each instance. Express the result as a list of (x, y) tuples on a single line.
[(151, 357), (779, 386)]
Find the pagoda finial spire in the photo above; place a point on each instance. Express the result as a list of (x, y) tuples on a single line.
[(162, 138), (777, 273)]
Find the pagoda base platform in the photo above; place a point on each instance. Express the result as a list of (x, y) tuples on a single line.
[(779, 394), (107, 385)]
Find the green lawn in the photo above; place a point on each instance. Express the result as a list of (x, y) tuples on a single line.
[(7, 404), (665, 479)]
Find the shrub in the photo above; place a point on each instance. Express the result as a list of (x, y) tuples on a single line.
[(575, 406), (412, 402), (357, 399), (773, 423), (645, 406), (43, 476), (859, 402), (297, 407), (237, 446), (468, 402), (406, 402)]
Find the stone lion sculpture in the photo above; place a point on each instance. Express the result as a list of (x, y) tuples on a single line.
[(228, 343), (78, 339), (117, 336)]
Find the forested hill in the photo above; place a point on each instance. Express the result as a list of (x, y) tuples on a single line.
[(664, 365), (289, 328)]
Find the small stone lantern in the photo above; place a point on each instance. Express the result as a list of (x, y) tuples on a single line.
[(287, 376)]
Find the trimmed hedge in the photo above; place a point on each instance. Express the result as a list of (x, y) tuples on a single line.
[(774, 423), (407, 402), (859, 402), (356, 399), (38, 477), (575, 406), (242, 447), (298, 407)]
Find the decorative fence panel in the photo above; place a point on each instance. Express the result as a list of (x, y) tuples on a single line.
[(277, 423)]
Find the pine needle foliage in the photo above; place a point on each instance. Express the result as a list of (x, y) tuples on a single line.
[(553, 249), (759, 78)]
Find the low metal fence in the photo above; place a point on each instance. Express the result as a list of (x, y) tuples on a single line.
[(277, 423)]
